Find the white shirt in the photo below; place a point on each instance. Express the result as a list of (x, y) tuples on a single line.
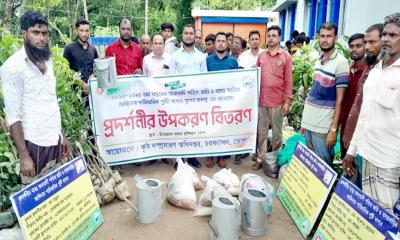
[(169, 46), (247, 59), (184, 62), (377, 135), (30, 97), (153, 66)]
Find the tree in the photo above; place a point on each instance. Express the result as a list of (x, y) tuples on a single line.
[(8, 10)]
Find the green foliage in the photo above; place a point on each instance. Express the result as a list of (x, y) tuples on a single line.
[(8, 45), (9, 164), (158, 17), (303, 70), (106, 31), (74, 117), (234, 5)]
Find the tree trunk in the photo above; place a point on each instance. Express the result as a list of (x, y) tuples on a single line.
[(70, 21), (78, 3), (85, 11), (8, 10)]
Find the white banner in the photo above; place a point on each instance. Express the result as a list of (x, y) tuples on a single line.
[(194, 115)]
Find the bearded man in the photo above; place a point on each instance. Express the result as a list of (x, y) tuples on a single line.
[(31, 106), (128, 55)]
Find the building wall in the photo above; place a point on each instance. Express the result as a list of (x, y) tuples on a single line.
[(352, 16), (238, 29), (360, 14)]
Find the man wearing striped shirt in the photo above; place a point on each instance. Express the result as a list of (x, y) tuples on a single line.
[(322, 108)]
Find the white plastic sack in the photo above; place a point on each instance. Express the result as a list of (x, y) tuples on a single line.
[(212, 190), (282, 171), (228, 180), (180, 190), (14, 233), (253, 181), (197, 184)]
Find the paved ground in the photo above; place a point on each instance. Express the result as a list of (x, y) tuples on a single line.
[(179, 224)]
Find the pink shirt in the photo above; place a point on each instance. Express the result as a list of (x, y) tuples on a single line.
[(276, 78), (153, 66)]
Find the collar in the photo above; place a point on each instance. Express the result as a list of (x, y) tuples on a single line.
[(362, 67), (131, 43), (182, 49), (278, 52), (258, 53), (154, 56), (216, 56), (333, 55), (80, 44), (25, 55), (395, 64)]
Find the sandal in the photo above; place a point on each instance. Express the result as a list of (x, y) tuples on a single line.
[(210, 162), (221, 163), (238, 160), (256, 166)]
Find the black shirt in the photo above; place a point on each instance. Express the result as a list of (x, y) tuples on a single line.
[(80, 59)]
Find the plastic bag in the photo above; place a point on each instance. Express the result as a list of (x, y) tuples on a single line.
[(212, 190), (228, 180), (14, 233), (253, 181), (180, 190), (270, 165), (197, 184), (282, 171)]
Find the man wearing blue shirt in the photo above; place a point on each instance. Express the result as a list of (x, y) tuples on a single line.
[(220, 60)]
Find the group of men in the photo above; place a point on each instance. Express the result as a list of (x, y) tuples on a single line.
[(360, 101)]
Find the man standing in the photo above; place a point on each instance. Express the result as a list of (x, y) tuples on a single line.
[(171, 43), (145, 44), (323, 106), (31, 106), (372, 40), (81, 54), (236, 49), (230, 41), (198, 38), (210, 45), (377, 135), (188, 60), (357, 52), (218, 61), (275, 93), (248, 59), (128, 56), (157, 63)]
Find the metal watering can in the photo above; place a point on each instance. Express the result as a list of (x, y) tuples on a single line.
[(106, 72), (149, 195), (225, 219), (256, 198), (254, 212)]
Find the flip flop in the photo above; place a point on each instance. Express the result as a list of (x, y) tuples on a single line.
[(210, 162), (221, 163)]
